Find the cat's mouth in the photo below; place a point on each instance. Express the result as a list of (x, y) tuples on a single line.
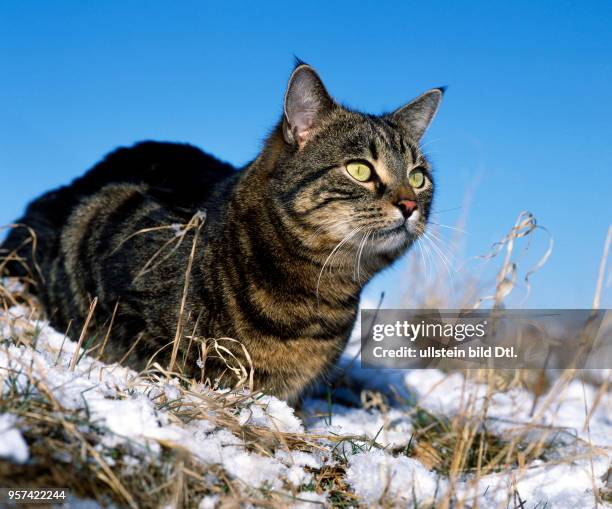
[(400, 233), (411, 227), (393, 231), (395, 235)]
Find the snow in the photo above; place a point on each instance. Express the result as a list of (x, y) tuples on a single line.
[(256, 470), (12, 445), (309, 500), (209, 502), (300, 458), (448, 394), (269, 412), (376, 474), (392, 429), (559, 486), (125, 411)]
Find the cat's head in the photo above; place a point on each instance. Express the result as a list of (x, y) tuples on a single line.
[(342, 175)]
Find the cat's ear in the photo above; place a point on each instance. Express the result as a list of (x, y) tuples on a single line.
[(306, 103), (416, 116)]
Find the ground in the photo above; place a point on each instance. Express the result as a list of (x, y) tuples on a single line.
[(387, 438)]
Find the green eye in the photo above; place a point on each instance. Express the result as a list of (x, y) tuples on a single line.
[(359, 171), (416, 178)]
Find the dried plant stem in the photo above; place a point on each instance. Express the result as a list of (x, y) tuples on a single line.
[(179, 326), (108, 332), (602, 269), (75, 356), (131, 349)]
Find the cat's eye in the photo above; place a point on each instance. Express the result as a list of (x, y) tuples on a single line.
[(416, 178), (359, 171)]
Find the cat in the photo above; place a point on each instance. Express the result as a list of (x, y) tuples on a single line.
[(179, 249)]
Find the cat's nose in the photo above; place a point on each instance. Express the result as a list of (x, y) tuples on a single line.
[(407, 207)]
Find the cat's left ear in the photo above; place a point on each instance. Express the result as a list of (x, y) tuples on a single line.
[(306, 103), (416, 116)]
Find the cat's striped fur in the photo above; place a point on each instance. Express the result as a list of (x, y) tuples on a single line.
[(280, 258)]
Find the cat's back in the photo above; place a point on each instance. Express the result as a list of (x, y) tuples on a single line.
[(180, 177)]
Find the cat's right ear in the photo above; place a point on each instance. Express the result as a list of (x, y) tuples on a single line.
[(306, 103)]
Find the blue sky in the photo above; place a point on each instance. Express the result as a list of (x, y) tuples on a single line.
[(525, 124)]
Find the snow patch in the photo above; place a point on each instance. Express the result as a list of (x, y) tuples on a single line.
[(375, 474), (12, 445)]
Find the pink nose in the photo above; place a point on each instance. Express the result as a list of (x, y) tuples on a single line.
[(407, 207)]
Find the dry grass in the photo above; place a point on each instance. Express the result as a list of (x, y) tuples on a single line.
[(459, 447), (66, 447)]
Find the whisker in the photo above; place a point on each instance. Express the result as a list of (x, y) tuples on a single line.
[(346, 261), (449, 227), (441, 255), (442, 241), (444, 247), (430, 257), (338, 246), (425, 267), (363, 243), (442, 244), (447, 210)]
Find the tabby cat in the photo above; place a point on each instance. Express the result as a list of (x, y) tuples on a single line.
[(178, 248)]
